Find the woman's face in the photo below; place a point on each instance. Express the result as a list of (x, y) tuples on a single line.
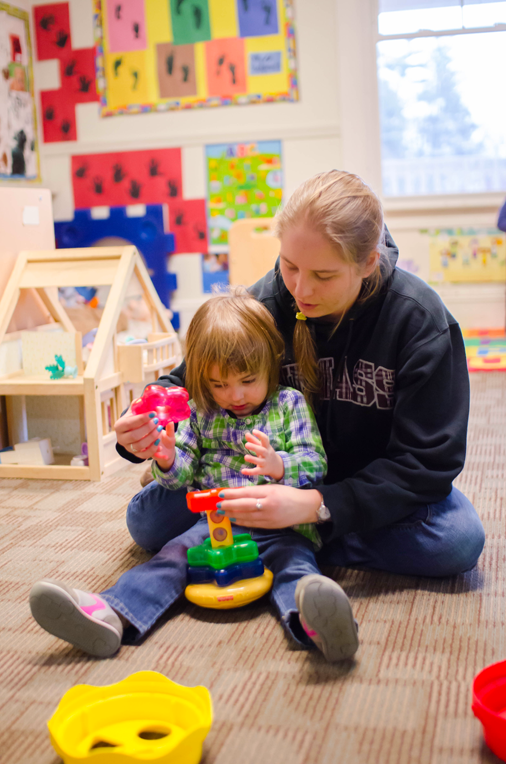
[(316, 275)]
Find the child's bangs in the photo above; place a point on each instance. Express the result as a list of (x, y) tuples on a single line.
[(241, 354)]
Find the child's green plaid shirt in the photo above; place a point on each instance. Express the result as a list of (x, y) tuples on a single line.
[(210, 449)]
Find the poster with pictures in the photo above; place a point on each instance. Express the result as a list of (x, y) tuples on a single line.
[(184, 54), (244, 180), (18, 126), (467, 256)]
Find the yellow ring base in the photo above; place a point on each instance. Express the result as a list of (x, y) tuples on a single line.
[(226, 597)]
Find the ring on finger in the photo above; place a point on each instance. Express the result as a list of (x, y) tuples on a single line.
[(258, 505)]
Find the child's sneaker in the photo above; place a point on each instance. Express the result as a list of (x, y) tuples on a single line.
[(81, 618), (326, 616)]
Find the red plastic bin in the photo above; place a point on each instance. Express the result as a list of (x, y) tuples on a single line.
[(489, 706)]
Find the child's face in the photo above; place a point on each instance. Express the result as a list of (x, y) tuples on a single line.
[(239, 393)]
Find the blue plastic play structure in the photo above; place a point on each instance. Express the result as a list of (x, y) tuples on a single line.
[(146, 233)]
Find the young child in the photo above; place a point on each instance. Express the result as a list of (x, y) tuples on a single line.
[(239, 414)]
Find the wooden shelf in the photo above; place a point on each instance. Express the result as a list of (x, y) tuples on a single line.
[(18, 384), (103, 390), (44, 471)]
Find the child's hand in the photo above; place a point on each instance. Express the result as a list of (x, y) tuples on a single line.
[(166, 451), (267, 461)]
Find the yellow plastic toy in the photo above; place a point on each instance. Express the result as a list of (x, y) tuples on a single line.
[(226, 597), (144, 718), (225, 571)]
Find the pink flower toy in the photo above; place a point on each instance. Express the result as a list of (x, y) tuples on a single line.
[(170, 404)]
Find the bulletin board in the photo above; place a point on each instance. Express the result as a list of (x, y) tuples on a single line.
[(156, 55), (472, 256), (54, 42), (244, 180), (19, 158), (149, 176)]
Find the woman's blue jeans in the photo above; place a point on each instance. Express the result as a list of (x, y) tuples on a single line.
[(436, 540), (144, 593)]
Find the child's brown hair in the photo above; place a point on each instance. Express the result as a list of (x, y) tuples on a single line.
[(238, 334)]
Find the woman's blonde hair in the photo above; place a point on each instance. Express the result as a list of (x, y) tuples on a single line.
[(237, 333), (341, 207)]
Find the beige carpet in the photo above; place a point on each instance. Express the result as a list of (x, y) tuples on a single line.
[(406, 698)]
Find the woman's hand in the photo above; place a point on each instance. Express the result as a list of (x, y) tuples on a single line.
[(270, 506), (267, 461), (138, 433), (166, 451)]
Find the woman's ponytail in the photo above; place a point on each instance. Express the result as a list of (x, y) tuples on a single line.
[(307, 360)]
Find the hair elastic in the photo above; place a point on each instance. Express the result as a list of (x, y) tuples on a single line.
[(301, 316)]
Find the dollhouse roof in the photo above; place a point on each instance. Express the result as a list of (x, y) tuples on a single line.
[(45, 271)]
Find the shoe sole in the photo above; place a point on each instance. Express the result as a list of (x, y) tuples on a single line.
[(327, 611), (56, 612)]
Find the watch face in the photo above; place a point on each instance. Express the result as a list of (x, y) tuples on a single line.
[(323, 514)]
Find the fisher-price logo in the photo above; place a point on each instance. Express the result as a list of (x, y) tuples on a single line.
[(368, 386)]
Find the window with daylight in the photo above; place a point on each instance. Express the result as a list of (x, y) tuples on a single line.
[(441, 76)]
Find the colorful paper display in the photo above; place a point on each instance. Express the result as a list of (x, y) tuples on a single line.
[(471, 255), (187, 221), (52, 30), (77, 72), (485, 349), (190, 21), (170, 60), (121, 178), (18, 127), (127, 26), (156, 55), (257, 17), (244, 180)]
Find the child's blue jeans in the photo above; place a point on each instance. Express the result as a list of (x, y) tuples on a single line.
[(440, 539), (145, 592)]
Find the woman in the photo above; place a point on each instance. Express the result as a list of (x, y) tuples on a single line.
[(382, 361)]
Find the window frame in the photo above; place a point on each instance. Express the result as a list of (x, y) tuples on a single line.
[(360, 129)]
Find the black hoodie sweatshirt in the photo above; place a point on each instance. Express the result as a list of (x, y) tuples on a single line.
[(395, 403)]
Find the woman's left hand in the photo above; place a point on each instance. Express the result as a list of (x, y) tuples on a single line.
[(270, 506)]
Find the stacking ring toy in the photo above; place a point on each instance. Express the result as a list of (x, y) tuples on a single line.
[(489, 706), (143, 718), (225, 597)]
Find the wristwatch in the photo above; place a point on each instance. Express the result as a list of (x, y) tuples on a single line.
[(322, 513)]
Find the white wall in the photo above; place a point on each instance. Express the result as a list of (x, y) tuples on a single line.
[(475, 306), (309, 128), (335, 124)]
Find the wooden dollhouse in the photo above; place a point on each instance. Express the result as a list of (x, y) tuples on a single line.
[(114, 373)]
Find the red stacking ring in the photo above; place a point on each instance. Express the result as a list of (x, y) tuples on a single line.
[(489, 705)]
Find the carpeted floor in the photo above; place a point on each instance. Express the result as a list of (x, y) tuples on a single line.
[(406, 697)]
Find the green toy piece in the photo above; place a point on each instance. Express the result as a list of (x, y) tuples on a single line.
[(57, 369), (244, 549), (60, 369)]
